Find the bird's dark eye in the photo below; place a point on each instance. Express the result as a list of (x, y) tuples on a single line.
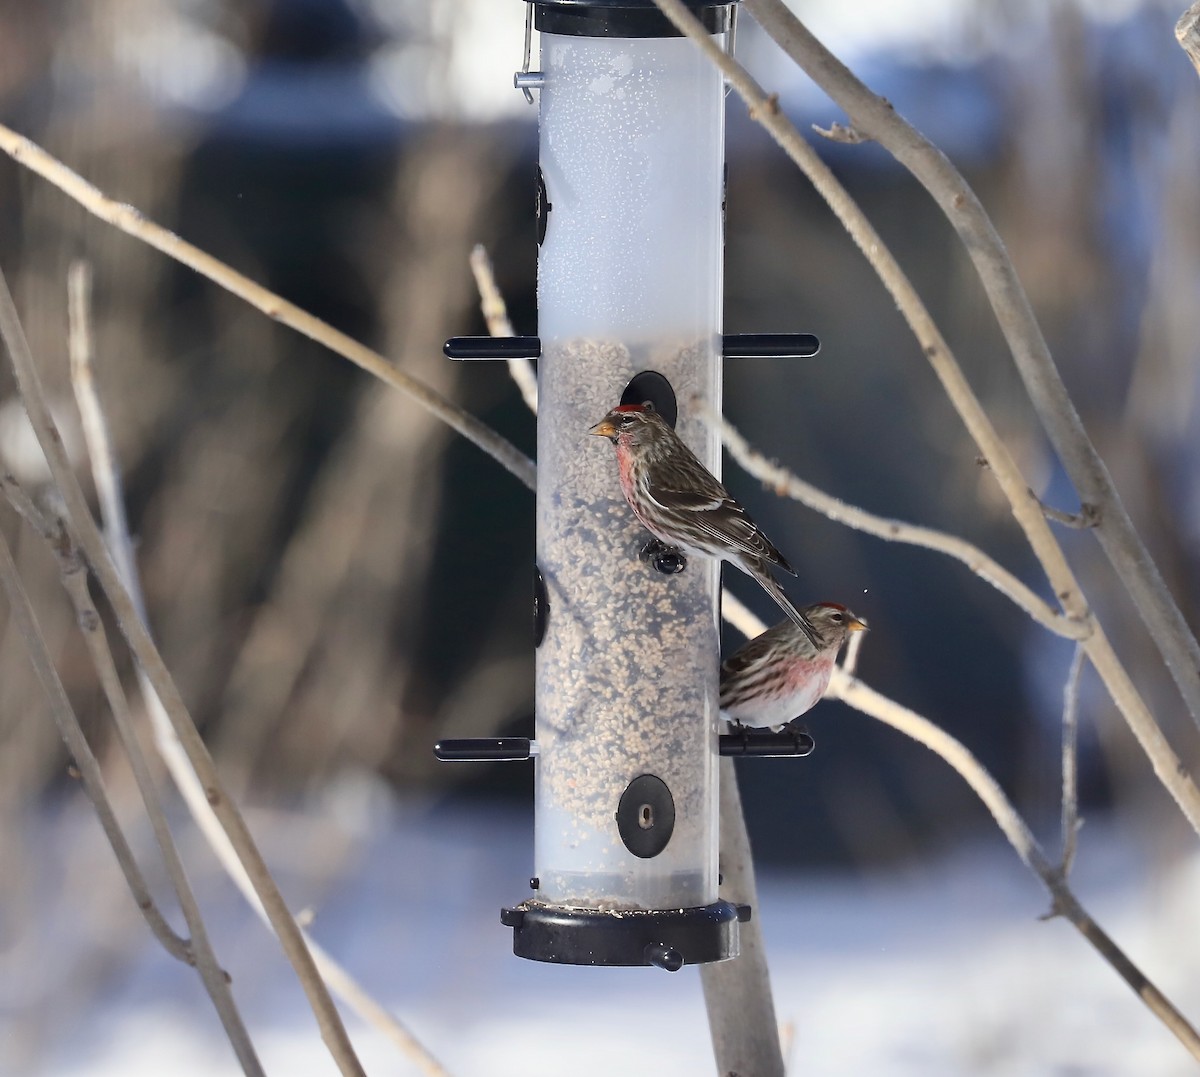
[(627, 420), (836, 617)]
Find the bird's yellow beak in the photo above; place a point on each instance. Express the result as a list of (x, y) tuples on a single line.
[(856, 625), (603, 429)]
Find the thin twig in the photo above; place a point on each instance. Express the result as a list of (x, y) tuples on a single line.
[(106, 476), (495, 313), (22, 616), (130, 221), (215, 980), (1026, 508), (1087, 517), (840, 132), (786, 483), (875, 118), (86, 536), (27, 510), (1070, 762)]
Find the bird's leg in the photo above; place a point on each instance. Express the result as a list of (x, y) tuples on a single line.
[(666, 559)]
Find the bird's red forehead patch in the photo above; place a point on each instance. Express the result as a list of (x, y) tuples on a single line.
[(629, 407), (834, 606)]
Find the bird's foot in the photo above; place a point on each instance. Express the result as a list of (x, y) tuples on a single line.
[(652, 548), (801, 738), (668, 560)]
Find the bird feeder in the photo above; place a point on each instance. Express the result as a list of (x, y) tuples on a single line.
[(630, 282)]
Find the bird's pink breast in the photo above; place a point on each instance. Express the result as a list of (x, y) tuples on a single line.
[(627, 472), (808, 682), (797, 691)]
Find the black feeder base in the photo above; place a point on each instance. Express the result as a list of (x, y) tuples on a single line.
[(667, 938)]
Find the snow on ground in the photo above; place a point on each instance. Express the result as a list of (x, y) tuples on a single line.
[(939, 968)]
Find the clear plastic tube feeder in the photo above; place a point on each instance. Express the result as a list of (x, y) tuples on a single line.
[(630, 269)]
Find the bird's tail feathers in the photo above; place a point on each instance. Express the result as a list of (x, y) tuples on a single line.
[(771, 586)]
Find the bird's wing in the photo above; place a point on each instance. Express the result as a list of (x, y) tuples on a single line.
[(688, 500), (691, 488), (731, 524), (747, 656)]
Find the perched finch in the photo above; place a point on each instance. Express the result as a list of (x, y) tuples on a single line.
[(781, 674), (681, 502)]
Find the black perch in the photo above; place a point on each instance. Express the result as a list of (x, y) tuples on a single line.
[(759, 744), (733, 346)]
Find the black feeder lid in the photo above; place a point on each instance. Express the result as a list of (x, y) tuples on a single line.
[(666, 938), (623, 18)]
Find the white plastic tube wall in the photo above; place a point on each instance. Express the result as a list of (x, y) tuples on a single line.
[(629, 279)]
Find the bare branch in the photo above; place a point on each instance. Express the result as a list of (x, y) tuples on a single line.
[(1070, 762), (215, 980), (1187, 33), (23, 617), (86, 536), (214, 977), (1026, 508), (875, 118), (858, 695), (495, 313), (29, 512), (787, 484), (106, 476), (130, 221)]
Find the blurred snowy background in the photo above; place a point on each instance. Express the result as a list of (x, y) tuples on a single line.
[(337, 582)]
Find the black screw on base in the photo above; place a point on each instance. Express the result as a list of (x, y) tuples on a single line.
[(664, 957), (669, 560)]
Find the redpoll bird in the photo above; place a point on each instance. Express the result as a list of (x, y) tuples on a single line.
[(681, 502), (781, 674)]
